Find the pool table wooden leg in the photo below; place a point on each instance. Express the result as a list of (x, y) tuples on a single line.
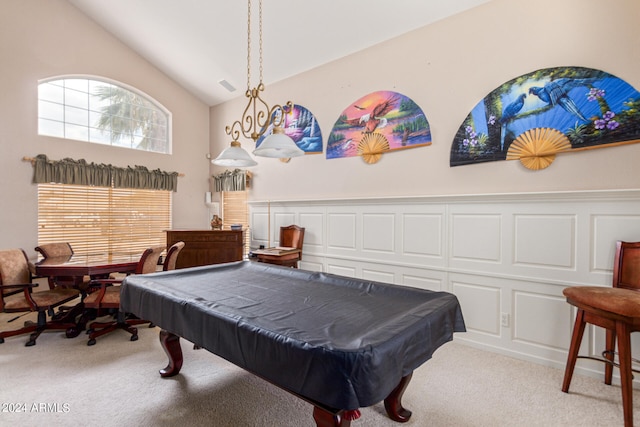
[(171, 345), (325, 418), (393, 403)]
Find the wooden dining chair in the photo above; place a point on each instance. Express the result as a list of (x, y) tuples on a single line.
[(60, 250), (172, 256), (617, 309), (107, 296), (48, 250), (16, 274), (291, 236)]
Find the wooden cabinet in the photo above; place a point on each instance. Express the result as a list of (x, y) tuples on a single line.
[(204, 247)]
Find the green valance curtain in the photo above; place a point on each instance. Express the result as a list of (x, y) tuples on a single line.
[(80, 172), (236, 180)]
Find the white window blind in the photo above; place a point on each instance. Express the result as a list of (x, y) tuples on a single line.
[(102, 219), (235, 211)]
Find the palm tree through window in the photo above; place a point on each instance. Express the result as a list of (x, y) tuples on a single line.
[(102, 112)]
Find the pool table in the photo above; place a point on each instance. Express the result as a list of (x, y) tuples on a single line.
[(337, 342)]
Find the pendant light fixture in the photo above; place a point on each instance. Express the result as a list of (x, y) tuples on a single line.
[(234, 156), (257, 118)]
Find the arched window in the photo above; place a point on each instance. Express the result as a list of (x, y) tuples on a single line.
[(103, 112)]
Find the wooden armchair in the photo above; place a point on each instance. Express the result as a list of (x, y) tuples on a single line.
[(15, 274), (172, 256), (291, 236), (107, 296), (55, 249), (61, 250)]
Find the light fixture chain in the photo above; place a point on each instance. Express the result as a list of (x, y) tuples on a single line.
[(248, 45), (257, 118), (260, 33)]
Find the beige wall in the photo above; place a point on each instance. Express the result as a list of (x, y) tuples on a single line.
[(45, 38), (447, 68)]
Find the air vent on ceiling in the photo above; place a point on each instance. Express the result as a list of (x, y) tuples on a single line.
[(225, 84)]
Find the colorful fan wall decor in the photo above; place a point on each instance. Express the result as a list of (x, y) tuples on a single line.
[(378, 123), (549, 111), (301, 125)]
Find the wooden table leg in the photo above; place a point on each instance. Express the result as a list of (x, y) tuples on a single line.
[(393, 403), (171, 345), (328, 419)]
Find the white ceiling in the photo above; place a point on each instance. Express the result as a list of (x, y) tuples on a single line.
[(201, 42)]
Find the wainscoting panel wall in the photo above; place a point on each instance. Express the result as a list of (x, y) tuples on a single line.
[(507, 257)]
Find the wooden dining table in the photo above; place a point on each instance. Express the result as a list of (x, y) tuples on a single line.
[(93, 265), (71, 270)]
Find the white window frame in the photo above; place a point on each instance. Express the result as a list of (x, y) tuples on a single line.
[(63, 119)]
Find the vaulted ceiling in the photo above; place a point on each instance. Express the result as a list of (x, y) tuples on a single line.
[(199, 43)]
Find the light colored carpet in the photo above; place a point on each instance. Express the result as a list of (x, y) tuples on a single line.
[(116, 383)]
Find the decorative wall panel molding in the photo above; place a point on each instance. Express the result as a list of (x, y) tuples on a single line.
[(378, 276), (545, 240), (342, 270), (506, 256), (481, 307), (342, 230), (260, 221), (378, 232), (558, 317), (282, 219), (314, 226), (476, 237), (422, 282), (422, 234), (607, 227)]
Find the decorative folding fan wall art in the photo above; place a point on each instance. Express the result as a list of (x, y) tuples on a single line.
[(301, 126), (378, 123), (549, 111)]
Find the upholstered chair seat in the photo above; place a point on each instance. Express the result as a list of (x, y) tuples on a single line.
[(623, 302), (18, 296)]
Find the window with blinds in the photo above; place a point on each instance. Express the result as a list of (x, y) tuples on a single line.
[(103, 219), (235, 211)]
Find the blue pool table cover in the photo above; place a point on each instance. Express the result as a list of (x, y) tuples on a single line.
[(343, 342)]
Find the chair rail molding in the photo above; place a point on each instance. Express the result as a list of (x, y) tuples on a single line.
[(507, 257)]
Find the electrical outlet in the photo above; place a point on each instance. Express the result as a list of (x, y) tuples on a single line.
[(504, 319)]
